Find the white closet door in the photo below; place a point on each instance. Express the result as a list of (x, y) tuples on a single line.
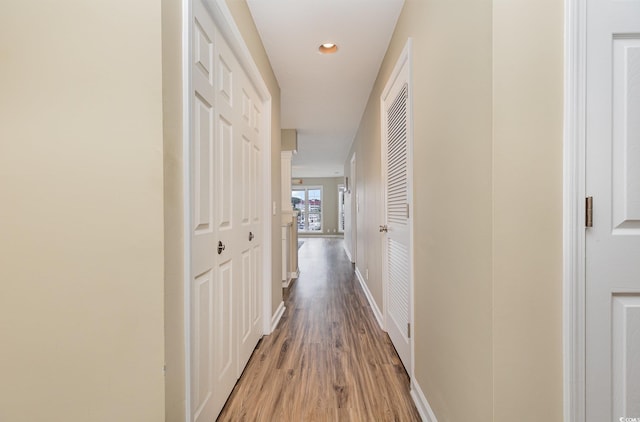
[(397, 246), (211, 280), (250, 220), (227, 267), (613, 180)]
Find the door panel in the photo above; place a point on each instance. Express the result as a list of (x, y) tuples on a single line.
[(245, 295), (256, 294), (224, 324), (256, 169), (613, 179), (247, 180), (202, 353), (203, 198), (626, 354), (225, 179), (626, 135)]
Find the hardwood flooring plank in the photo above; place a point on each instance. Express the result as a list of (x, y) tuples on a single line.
[(328, 360)]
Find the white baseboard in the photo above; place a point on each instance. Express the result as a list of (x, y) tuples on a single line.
[(311, 236), (286, 283), (275, 319), (294, 274), (372, 303), (426, 413), (347, 252)]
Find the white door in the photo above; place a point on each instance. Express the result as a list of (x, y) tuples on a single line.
[(396, 264), (226, 238), (613, 180), (210, 288), (247, 117)]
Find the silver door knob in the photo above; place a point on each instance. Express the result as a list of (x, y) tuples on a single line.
[(220, 247), (251, 236), (384, 228)]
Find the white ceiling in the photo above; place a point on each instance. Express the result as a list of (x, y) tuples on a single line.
[(324, 96)]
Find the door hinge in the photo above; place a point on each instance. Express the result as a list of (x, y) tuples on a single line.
[(588, 212), (408, 330), (407, 210)]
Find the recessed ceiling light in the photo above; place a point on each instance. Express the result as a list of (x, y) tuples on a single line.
[(328, 48)]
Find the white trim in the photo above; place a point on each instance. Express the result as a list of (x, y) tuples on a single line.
[(408, 50), (346, 251), (286, 283), (277, 316), (187, 18), (295, 274), (372, 303), (573, 208), (424, 409)]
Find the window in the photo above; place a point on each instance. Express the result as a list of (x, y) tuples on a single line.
[(341, 191), (308, 202)]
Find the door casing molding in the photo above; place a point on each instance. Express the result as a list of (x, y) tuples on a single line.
[(574, 177), (226, 25)]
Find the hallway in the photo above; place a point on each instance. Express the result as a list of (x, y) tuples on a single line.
[(328, 359)]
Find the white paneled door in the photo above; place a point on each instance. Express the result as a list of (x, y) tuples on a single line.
[(396, 170), (239, 114), (226, 236), (208, 288), (613, 180)]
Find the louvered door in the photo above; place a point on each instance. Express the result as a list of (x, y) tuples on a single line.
[(396, 229)]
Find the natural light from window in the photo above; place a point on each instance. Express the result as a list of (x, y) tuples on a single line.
[(308, 202)]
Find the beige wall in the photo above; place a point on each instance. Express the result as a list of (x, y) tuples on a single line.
[(242, 16), (81, 221), (488, 138), (173, 210), (329, 202), (527, 155), (289, 139), (452, 156)]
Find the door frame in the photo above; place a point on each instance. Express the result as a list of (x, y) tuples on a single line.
[(225, 23), (353, 188), (406, 57), (574, 177)]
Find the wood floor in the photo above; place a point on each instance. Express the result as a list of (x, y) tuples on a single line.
[(328, 359)]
